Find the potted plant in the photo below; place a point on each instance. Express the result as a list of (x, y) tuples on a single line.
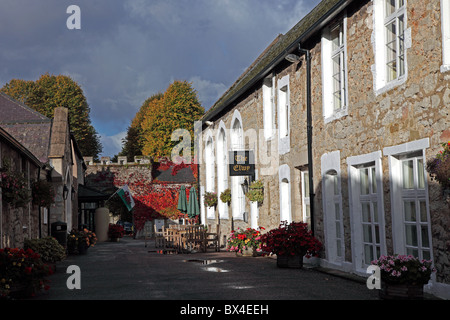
[(43, 193), (439, 167), (115, 232), (225, 196), (91, 237), (77, 242), (14, 187), (245, 242), (22, 273), (290, 243), (256, 191), (210, 199), (48, 248), (403, 276)]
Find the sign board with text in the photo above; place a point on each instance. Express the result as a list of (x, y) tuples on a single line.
[(241, 163)]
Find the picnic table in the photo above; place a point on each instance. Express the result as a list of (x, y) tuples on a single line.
[(189, 238)]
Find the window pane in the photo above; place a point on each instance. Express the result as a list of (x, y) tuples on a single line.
[(374, 180), (425, 239), (426, 255), (391, 51), (367, 233), (338, 229), (408, 174), (336, 211), (336, 189), (423, 211), (401, 45), (337, 82), (336, 37), (306, 183), (377, 234), (338, 248), (412, 251), (420, 174), (411, 235), (390, 7), (409, 208), (368, 254), (364, 180), (375, 212), (366, 212)]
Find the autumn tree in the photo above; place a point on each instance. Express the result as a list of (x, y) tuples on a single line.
[(49, 92), (178, 108), (134, 141)]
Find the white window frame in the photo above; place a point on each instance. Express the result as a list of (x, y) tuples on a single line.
[(332, 198), (209, 171), (283, 94), (222, 168), (379, 40), (269, 107), (445, 28), (284, 179), (397, 155), (355, 200), (304, 178), (330, 112), (237, 144)]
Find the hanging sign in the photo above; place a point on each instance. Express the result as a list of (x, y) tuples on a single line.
[(242, 163)]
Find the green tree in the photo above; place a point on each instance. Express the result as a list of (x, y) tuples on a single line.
[(179, 108), (49, 92)]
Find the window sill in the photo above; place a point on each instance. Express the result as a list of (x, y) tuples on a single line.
[(390, 85), (445, 68), (335, 116)]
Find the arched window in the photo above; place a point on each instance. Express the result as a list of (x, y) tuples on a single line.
[(222, 169), (285, 193), (237, 144), (210, 173)]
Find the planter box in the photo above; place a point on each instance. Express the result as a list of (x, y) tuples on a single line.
[(401, 291)]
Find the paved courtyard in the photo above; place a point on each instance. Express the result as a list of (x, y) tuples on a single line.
[(128, 270)]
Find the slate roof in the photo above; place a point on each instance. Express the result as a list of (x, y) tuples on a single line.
[(276, 52), (184, 175), (26, 125)]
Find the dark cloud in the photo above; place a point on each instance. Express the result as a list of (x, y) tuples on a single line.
[(128, 50)]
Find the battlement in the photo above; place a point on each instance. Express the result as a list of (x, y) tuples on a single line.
[(121, 160)]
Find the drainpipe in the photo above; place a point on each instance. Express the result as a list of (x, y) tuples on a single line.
[(309, 133)]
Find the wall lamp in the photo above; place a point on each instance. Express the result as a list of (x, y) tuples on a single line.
[(65, 192), (244, 186)]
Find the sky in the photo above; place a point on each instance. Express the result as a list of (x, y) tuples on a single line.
[(127, 50)]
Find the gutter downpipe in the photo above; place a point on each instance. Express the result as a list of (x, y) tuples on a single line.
[(309, 133)]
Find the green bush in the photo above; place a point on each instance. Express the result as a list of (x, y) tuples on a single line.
[(48, 248)]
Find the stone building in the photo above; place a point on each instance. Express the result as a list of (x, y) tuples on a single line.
[(17, 224), (341, 114), (51, 142)]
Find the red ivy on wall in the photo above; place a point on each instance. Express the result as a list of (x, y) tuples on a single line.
[(155, 200)]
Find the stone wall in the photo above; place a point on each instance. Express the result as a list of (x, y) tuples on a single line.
[(417, 109), (18, 224)]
